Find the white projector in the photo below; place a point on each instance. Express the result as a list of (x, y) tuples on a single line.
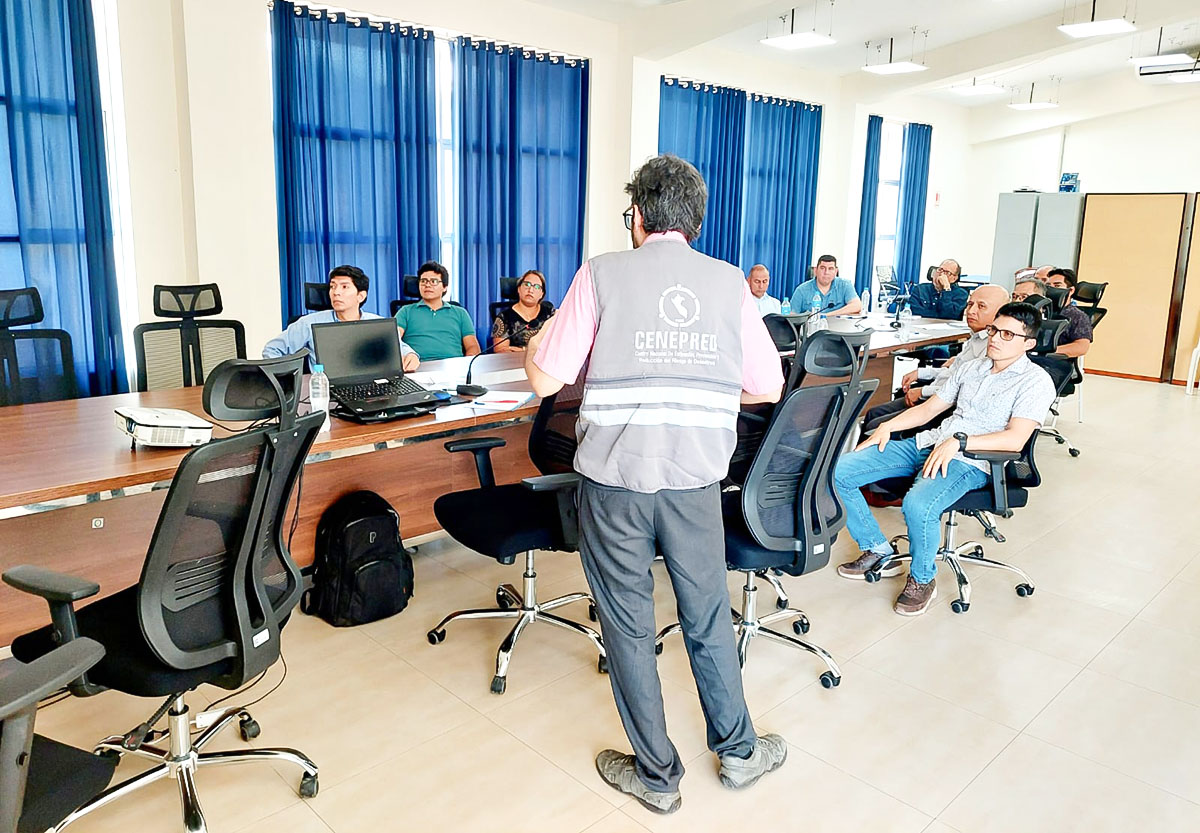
[(168, 427)]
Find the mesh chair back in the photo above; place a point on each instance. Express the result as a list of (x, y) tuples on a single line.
[(779, 497), (1058, 299), (218, 579), (1096, 314), (1023, 472), (1089, 294), (1061, 370), (1049, 334), (36, 366), (316, 297), (19, 307), (188, 301), (176, 354), (782, 332), (552, 440), (830, 355), (833, 511), (1042, 304), (508, 296)]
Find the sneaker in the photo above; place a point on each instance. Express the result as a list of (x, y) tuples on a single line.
[(915, 598), (770, 751), (619, 772), (856, 569)]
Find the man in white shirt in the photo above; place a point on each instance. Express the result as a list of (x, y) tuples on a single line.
[(759, 279)]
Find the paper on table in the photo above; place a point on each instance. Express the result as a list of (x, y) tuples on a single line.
[(449, 413), (501, 400)]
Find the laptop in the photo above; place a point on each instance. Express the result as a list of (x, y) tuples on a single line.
[(366, 375)]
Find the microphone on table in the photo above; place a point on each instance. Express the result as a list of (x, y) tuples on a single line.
[(479, 390)]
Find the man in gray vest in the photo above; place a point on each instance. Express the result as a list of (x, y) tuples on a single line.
[(673, 343)]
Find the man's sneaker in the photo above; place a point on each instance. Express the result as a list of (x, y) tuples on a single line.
[(856, 569), (770, 751), (915, 598), (620, 773)]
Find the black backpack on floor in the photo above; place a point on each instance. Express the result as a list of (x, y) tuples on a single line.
[(361, 572)]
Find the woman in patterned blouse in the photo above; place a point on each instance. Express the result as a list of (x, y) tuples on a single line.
[(519, 322)]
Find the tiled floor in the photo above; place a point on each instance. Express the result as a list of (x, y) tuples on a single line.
[(1075, 709)]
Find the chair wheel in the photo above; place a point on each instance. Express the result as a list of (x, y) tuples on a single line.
[(959, 606), (249, 728), (658, 649), (1024, 590), (499, 684), (871, 576), (979, 552), (828, 680), (801, 625), (502, 601), (308, 786), (1059, 440), (595, 617), (602, 664), (1074, 452), (110, 754), (436, 637), (781, 604)]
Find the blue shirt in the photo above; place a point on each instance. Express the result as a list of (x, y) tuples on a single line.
[(841, 292), (299, 334), (435, 334), (925, 300)]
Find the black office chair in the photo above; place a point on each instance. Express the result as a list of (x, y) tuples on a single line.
[(316, 297), (508, 297), (43, 781), (1088, 294), (174, 354), (502, 521), (216, 588), (1058, 299), (786, 515), (35, 365), (1012, 475)]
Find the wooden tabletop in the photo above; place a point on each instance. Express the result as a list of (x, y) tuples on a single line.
[(53, 450)]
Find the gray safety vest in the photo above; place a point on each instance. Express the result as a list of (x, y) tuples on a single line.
[(664, 379)]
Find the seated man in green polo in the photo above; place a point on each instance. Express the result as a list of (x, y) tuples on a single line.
[(432, 327)]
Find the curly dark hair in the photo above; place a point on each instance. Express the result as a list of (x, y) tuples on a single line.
[(671, 195)]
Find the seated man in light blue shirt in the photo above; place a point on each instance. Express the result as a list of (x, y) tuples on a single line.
[(758, 280), (826, 293), (436, 328), (348, 287)]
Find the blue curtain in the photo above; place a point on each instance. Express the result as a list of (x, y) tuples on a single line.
[(355, 151), (864, 261), (55, 222), (783, 144), (706, 125), (522, 166), (914, 187)]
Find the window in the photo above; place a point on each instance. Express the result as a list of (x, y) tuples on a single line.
[(891, 153), (447, 161)]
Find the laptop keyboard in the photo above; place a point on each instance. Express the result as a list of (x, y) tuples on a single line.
[(375, 390)]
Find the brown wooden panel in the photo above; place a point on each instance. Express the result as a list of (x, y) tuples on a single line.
[(1131, 241), (1189, 317)]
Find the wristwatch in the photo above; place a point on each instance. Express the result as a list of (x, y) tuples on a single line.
[(962, 440)]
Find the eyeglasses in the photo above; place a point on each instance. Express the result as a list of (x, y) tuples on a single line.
[(627, 216), (1005, 335), (430, 281), (531, 285), (941, 271)]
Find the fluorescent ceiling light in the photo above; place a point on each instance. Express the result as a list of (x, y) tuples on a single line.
[(977, 89), (798, 40), (1034, 105), (1167, 60), (1186, 77), (895, 68), (1093, 28)]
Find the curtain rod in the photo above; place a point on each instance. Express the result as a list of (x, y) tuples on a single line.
[(378, 23), (754, 96)]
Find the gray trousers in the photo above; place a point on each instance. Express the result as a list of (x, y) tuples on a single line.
[(620, 533)]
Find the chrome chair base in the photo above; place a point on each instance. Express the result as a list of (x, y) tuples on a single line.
[(1050, 427), (526, 609), (749, 624), (180, 760), (957, 555)]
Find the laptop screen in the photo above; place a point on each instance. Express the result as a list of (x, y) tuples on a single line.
[(357, 351)]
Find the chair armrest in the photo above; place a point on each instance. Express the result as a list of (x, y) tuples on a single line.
[(60, 591), (481, 448), (564, 488), (23, 685), (998, 460), (551, 482), (51, 586)]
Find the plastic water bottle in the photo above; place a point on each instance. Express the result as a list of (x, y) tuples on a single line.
[(866, 301), (816, 305), (318, 394), (822, 322), (786, 307)]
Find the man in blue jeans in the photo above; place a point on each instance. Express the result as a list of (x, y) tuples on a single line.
[(999, 401)]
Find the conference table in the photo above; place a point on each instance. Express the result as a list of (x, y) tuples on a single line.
[(76, 497)]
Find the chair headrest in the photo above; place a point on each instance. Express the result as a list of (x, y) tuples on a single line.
[(189, 301), (20, 306), (256, 389), (834, 355), (410, 286), (316, 297), (508, 289), (781, 331), (1058, 297)]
